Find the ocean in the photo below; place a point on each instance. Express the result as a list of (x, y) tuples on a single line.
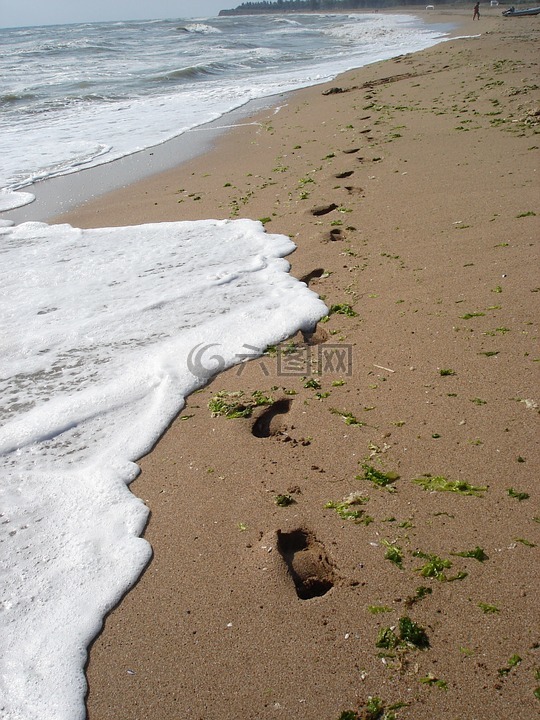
[(104, 332), (80, 95)]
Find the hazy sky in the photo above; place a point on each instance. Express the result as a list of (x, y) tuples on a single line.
[(15, 13)]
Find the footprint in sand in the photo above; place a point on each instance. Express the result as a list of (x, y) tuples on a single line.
[(317, 337), (311, 570), (344, 174), (313, 275), (335, 234), (268, 424), (324, 209)]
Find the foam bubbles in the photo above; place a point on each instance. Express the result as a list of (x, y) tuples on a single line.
[(9, 199), (97, 332)]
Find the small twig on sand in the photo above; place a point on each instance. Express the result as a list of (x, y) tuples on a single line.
[(381, 367)]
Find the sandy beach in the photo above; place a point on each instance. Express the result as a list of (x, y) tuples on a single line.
[(372, 530)]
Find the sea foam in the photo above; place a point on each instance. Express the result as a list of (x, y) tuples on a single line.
[(9, 199), (98, 332)]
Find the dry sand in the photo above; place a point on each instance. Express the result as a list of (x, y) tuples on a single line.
[(429, 163)]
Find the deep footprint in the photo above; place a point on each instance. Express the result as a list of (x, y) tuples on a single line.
[(319, 272), (345, 174), (324, 209), (308, 564), (264, 427), (336, 234), (317, 337)]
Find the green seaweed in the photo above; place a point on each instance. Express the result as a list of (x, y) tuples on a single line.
[(412, 634), (434, 567), (378, 609), (393, 553), (431, 679), (513, 662), (234, 405), (345, 511), (387, 639), (461, 575), (342, 309), (374, 709), (488, 609), (348, 418), (438, 483), (527, 543), (379, 478), (518, 495), (468, 316), (420, 593), (477, 554)]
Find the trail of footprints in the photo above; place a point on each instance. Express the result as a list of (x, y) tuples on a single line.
[(308, 565), (337, 233)]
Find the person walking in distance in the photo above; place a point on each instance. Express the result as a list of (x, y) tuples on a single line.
[(476, 14)]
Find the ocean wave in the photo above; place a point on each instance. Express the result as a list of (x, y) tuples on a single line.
[(285, 21), (191, 72), (75, 156), (9, 199), (201, 29), (32, 107), (293, 30), (13, 98), (70, 47)]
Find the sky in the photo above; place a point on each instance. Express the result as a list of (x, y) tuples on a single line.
[(18, 13)]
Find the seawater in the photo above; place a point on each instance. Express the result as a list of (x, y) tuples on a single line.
[(79, 95), (97, 327)]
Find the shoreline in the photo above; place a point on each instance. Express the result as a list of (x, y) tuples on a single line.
[(415, 224), (64, 193)]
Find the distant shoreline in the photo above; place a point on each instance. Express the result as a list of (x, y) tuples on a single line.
[(287, 8)]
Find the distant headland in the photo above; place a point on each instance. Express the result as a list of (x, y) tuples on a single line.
[(300, 6)]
